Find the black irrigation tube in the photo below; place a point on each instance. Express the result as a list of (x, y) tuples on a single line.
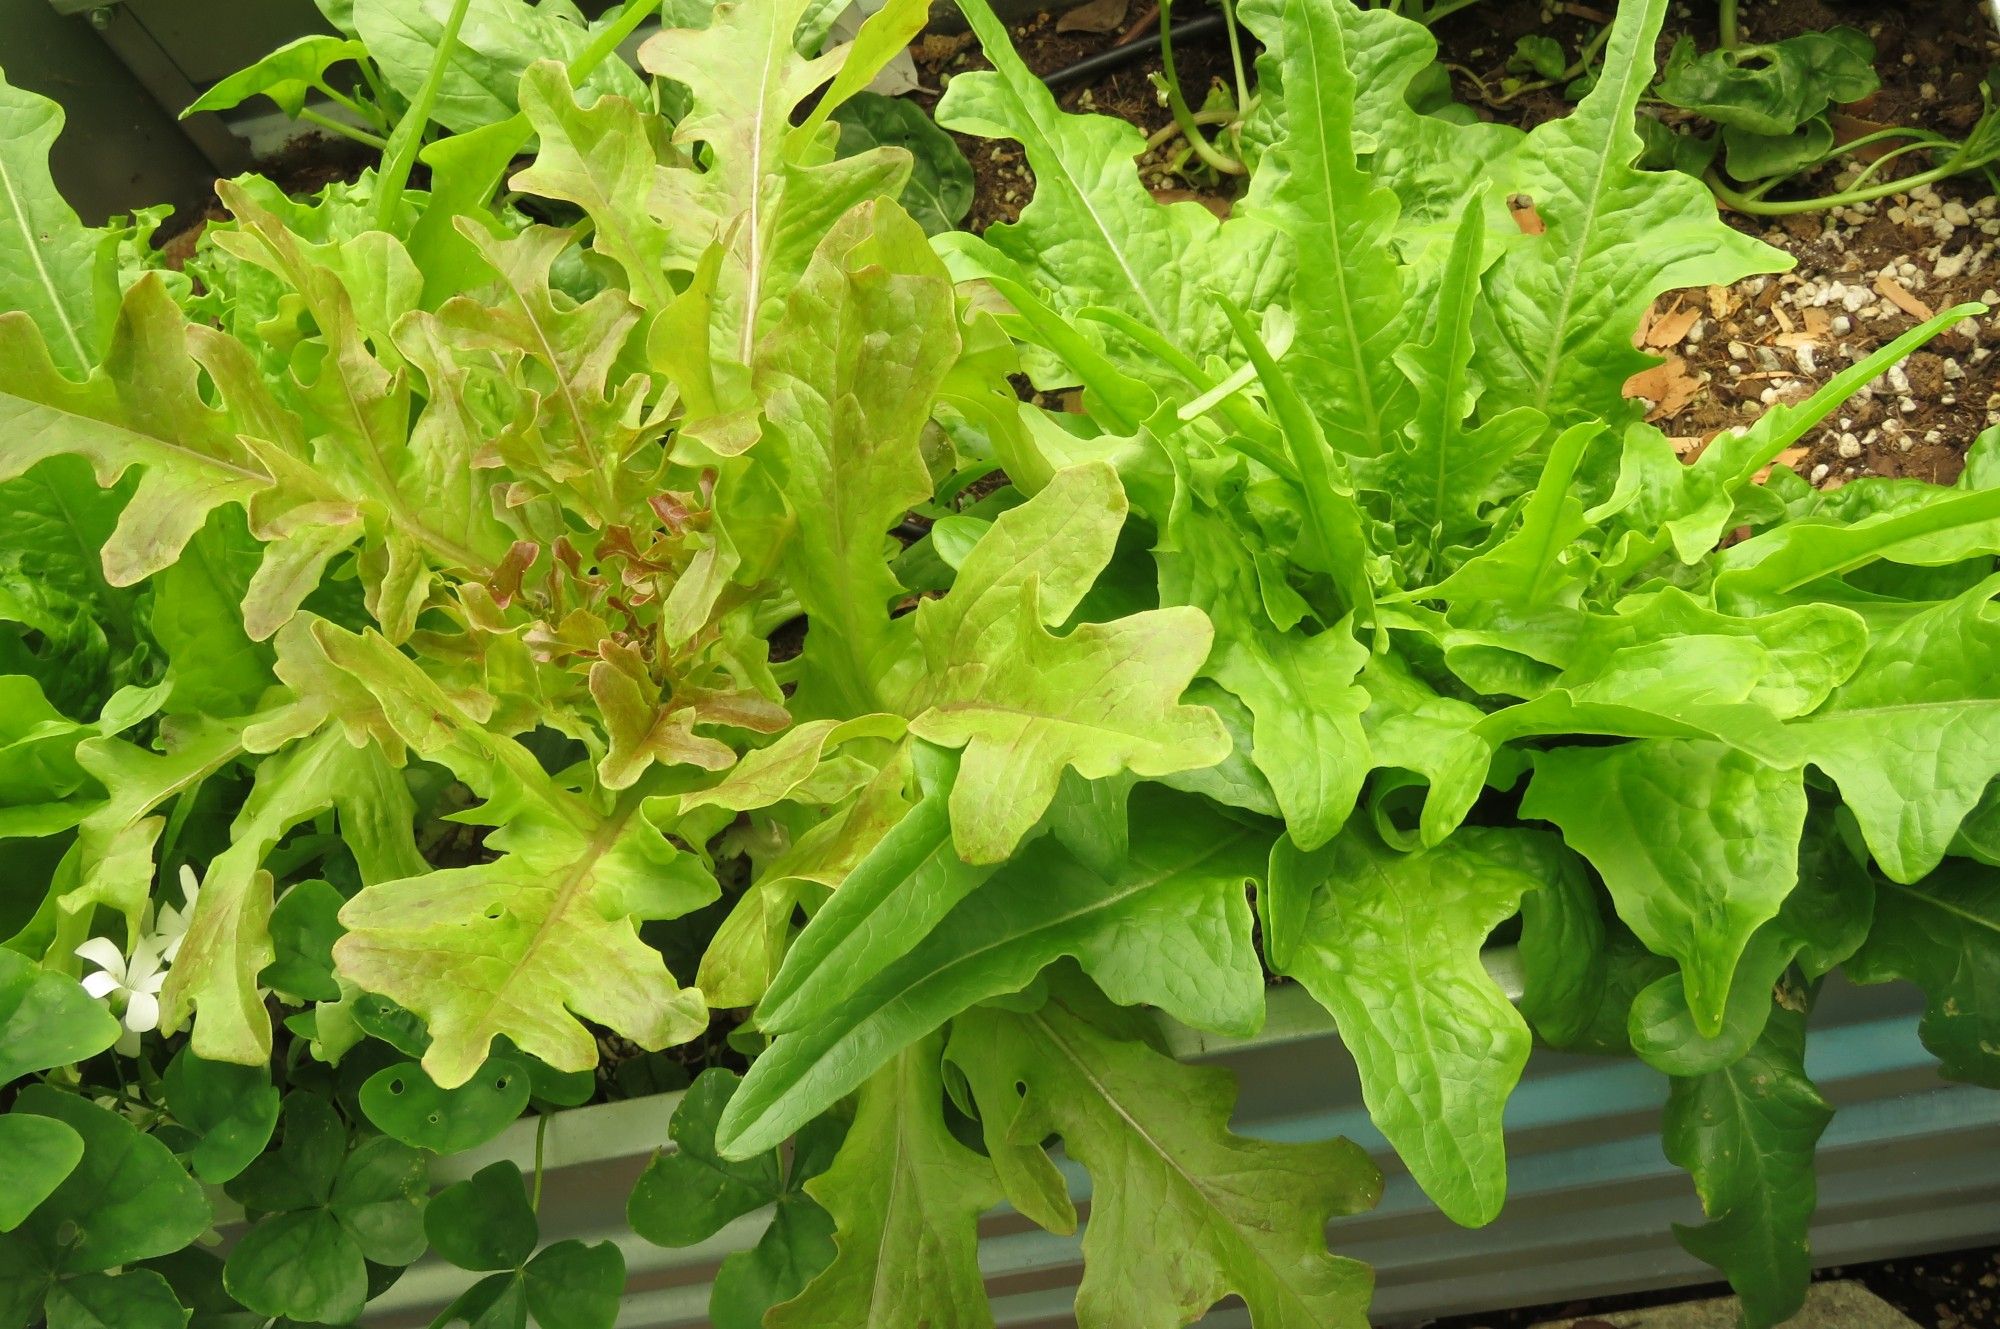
[(1117, 57)]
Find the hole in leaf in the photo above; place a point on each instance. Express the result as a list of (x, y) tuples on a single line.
[(395, 1086), (434, 1119)]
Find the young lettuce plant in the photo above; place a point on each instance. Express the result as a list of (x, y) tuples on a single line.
[(482, 678), (1497, 652)]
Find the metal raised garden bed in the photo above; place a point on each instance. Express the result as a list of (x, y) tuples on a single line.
[(1910, 1164)]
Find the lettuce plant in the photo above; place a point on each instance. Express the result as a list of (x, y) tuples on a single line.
[(456, 629)]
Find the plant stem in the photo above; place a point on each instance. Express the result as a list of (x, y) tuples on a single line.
[(341, 99), (1170, 131), (1236, 59), (541, 1133), (1588, 53), (1447, 9), (342, 128), (1861, 181), (611, 38), (1731, 33), (1169, 82), (401, 152), (1754, 204), (376, 91)]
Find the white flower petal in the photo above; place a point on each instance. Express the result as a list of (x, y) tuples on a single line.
[(104, 953), (142, 1012), (145, 966), (100, 985)]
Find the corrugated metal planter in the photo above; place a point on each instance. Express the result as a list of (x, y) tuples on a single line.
[(1910, 1164)]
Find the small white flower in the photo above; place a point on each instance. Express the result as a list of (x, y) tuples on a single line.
[(131, 983), (171, 927)]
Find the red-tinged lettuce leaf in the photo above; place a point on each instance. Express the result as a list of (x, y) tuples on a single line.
[(513, 946), (850, 372), (600, 159), (142, 407), (1025, 704), (768, 191), (228, 943)]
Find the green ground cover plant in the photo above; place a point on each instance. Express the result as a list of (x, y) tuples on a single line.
[(454, 627), (1754, 119)]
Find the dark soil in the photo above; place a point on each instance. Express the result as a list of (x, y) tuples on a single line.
[(1004, 184), (306, 164)]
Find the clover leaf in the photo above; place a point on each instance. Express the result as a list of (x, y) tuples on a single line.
[(485, 1223), (123, 1200), (46, 1019), (140, 1299), (330, 1209), (692, 1193), (233, 1109), (304, 925), (36, 1153), (408, 1105)]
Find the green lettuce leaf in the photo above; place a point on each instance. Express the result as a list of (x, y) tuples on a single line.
[(1698, 845), (905, 1197), (48, 258), (1389, 943), (1943, 934), (1184, 1212), (1555, 330), (1747, 1135), (1091, 235), (1172, 927)]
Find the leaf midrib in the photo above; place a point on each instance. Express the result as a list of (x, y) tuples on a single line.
[(1582, 254), (1943, 906), (30, 245), (1191, 1182), (1371, 412)]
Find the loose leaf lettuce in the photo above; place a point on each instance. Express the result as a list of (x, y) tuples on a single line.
[(1389, 942), (1185, 1212)]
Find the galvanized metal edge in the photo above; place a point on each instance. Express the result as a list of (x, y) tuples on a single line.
[(1909, 1164)]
